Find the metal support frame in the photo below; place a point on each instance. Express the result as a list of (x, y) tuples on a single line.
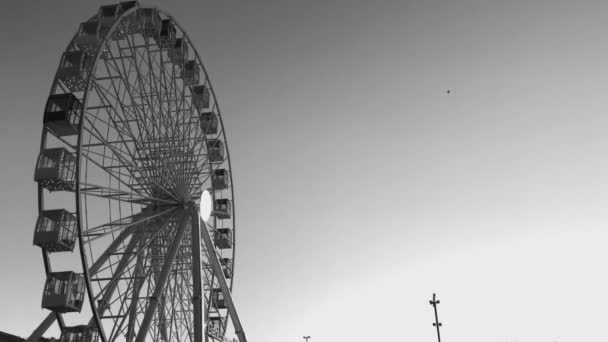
[(197, 295), (122, 264), (219, 274), (139, 282), (161, 281), (42, 328)]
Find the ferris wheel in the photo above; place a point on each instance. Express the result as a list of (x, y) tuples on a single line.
[(136, 217)]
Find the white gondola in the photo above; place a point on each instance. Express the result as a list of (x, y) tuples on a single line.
[(62, 114), (55, 170), (63, 292), (55, 231)]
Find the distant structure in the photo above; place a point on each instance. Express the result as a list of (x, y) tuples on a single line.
[(434, 303)]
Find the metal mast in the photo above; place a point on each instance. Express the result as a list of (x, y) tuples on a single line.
[(434, 303)]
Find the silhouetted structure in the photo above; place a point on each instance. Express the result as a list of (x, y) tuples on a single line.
[(434, 303)]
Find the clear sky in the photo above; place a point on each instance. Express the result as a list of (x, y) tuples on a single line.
[(362, 187)]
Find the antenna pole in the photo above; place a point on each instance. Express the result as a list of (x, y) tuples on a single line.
[(434, 303)]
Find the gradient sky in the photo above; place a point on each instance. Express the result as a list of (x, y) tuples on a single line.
[(362, 187)]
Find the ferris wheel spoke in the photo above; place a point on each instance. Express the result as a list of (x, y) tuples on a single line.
[(138, 117), (131, 91), (178, 311), (119, 195), (162, 226), (108, 292), (170, 88), (132, 313), (109, 288), (120, 161), (181, 314), (161, 280), (132, 137), (114, 107), (142, 122), (107, 169), (99, 231), (172, 323), (141, 90), (123, 160)]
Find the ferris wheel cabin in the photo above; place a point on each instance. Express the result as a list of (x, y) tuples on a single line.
[(191, 72), (179, 52), (215, 324), (89, 37), (200, 97), (217, 299), (226, 267), (79, 333), (55, 169), (74, 69), (149, 22), (215, 149), (108, 15), (223, 238), (166, 38), (63, 292), (62, 114), (220, 179), (55, 231), (222, 208), (209, 122)]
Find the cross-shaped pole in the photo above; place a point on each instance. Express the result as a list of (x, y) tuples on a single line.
[(306, 338), (434, 303)]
